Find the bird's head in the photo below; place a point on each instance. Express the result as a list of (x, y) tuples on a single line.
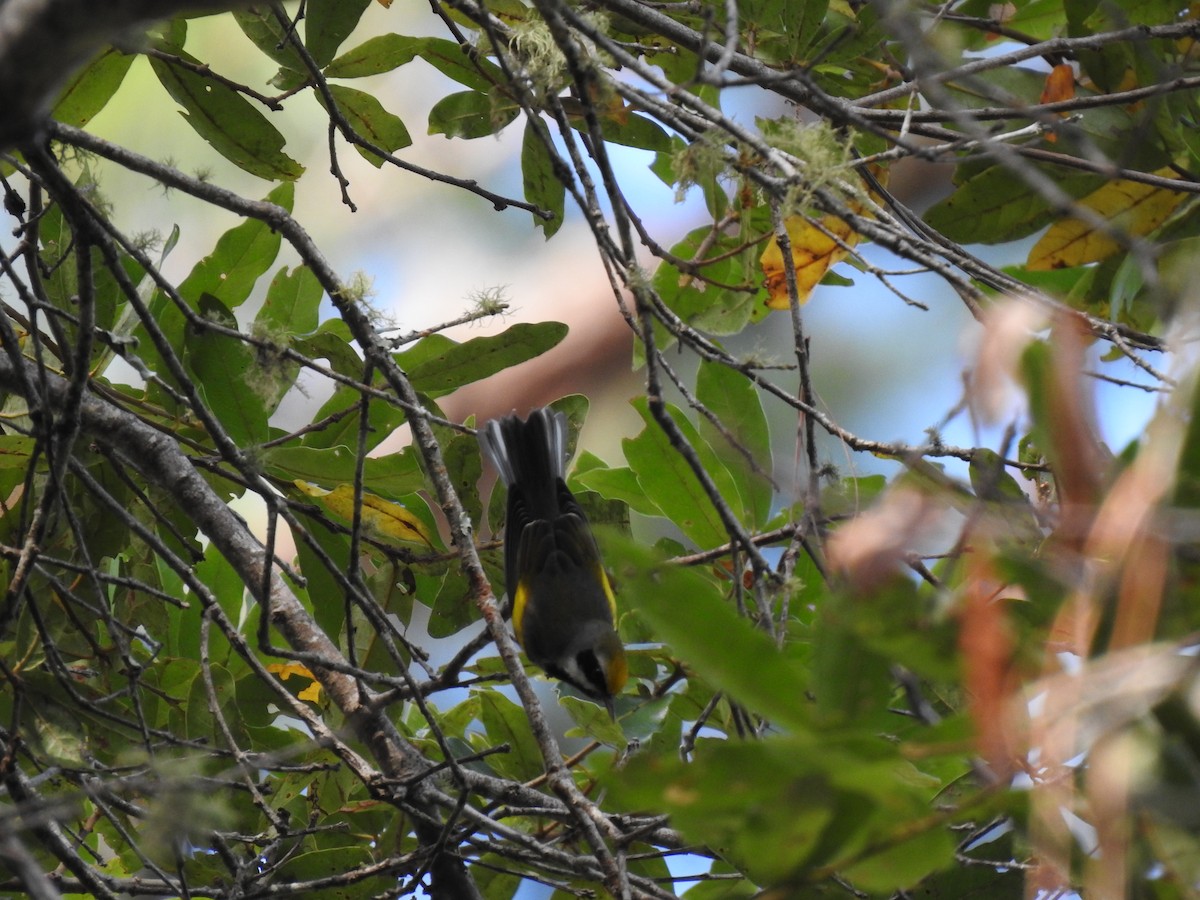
[(594, 663)]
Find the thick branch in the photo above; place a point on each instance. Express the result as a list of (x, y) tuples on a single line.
[(158, 457), (42, 42)]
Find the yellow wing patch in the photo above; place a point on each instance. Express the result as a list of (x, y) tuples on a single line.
[(602, 577), (518, 610), (520, 602)]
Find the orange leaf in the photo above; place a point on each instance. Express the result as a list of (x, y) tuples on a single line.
[(1060, 84), (1131, 206)]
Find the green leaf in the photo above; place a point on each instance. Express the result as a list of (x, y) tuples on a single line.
[(233, 126), (331, 342), (681, 67), (326, 594), (637, 131), (724, 889), (343, 407), (592, 720), (57, 734), (619, 484), (242, 255), (505, 722), (394, 477), (978, 877), (451, 607), (61, 283), (1107, 129), (902, 864), (991, 207), (437, 365), (736, 403), (575, 407), (542, 188), (331, 863), (784, 28), (455, 721), (1005, 85), (288, 79), (1007, 505), (227, 376), (201, 725), (371, 121), (173, 32), (261, 26), (91, 88), (495, 878), (851, 683), (763, 806), (464, 466), (16, 451), (371, 650), (1179, 123), (327, 23), (631, 130), (685, 608), (680, 165), (381, 53), (1043, 19), (293, 303), (324, 466), (219, 576), (787, 808), (103, 534), (1187, 486), (470, 114), (718, 296), (664, 165), (468, 69), (673, 486)]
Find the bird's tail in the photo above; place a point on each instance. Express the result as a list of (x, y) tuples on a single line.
[(530, 456)]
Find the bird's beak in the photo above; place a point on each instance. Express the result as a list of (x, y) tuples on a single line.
[(608, 704)]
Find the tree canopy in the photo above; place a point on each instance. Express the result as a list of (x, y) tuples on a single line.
[(974, 675)]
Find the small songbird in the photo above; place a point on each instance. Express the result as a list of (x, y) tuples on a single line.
[(562, 604)]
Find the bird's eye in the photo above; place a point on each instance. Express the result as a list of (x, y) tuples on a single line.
[(592, 671)]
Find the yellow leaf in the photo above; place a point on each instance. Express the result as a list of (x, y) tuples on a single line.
[(312, 693), (814, 252), (1133, 207), (286, 670), (817, 246), (380, 517)]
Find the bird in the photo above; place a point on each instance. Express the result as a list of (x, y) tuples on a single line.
[(559, 596)]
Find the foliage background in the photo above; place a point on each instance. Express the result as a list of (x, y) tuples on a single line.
[(969, 674)]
